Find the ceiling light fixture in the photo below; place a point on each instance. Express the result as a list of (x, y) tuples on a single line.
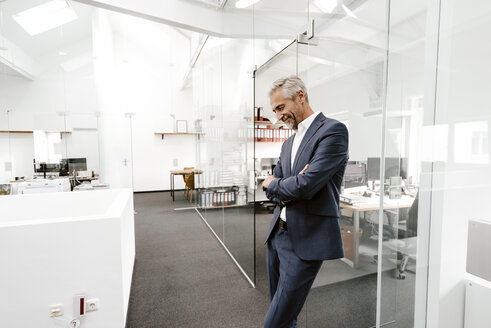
[(45, 17), (349, 12), (245, 3), (326, 6)]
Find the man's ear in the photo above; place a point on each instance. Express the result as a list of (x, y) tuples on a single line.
[(301, 96)]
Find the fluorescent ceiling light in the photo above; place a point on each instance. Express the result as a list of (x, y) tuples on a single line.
[(45, 17), (245, 3), (326, 6), (349, 12)]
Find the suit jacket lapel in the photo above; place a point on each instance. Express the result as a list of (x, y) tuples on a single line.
[(316, 124), (288, 157)]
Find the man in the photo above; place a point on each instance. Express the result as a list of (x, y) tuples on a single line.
[(305, 186)]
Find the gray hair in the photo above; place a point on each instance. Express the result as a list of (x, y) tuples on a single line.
[(290, 86)]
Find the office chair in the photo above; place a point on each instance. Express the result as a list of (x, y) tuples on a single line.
[(410, 240), (405, 246), (189, 184)]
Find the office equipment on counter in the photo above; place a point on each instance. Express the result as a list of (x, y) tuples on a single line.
[(355, 175), (352, 199), (411, 190), (395, 187), (36, 186), (355, 195), (83, 186), (74, 164), (83, 174), (394, 167), (45, 170)]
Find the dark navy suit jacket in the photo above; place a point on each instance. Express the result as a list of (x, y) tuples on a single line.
[(312, 198)]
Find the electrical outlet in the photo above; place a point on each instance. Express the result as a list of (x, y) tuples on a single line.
[(56, 310), (75, 323), (92, 304)]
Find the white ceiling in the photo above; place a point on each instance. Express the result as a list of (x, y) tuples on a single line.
[(149, 36), (50, 41), (368, 30)]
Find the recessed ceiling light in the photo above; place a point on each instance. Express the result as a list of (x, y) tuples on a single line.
[(45, 17), (62, 53), (245, 3)]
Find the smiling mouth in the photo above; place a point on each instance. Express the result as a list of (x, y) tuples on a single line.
[(286, 118)]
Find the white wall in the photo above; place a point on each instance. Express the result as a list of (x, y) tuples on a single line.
[(17, 149), (153, 94), (64, 247), (63, 84), (463, 187), (112, 74)]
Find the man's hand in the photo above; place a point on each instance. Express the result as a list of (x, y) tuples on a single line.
[(304, 169), (270, 178), (267, 181)]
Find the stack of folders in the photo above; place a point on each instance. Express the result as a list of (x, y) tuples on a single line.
[(267, 134), (218, 198)]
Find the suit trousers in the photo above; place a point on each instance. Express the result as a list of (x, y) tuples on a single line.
[(290, 280)]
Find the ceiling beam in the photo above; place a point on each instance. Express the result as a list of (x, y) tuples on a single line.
[(219, 22)]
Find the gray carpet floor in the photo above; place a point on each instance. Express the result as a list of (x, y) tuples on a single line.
[(184, 278)]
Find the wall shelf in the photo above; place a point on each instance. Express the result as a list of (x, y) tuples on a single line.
[(14, 131), (177, 134)]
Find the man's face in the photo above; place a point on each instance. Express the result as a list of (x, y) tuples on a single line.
[(287, 110)]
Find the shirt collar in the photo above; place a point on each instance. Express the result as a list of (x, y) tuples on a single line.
[(305, 124)]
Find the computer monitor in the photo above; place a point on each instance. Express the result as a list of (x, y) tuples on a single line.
[(74, 164), (373, 168), (46, 167), (394, 167), (354, 175)]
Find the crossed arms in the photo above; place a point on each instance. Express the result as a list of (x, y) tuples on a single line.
[(330, 155)]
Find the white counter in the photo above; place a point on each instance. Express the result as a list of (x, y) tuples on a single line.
[(55, 245)]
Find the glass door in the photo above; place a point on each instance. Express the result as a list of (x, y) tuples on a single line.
[(364, 66), (344, 75)]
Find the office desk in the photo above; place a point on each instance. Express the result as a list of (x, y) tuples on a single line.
[(372, 204), (180, 172)]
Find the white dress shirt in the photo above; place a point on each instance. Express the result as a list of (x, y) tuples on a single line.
[(297, 140)]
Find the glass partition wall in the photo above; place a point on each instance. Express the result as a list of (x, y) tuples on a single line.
[(364, 66), (223, 101)]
